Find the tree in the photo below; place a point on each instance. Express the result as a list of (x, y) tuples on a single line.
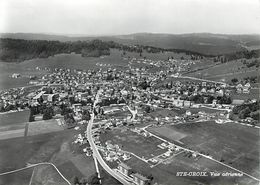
[(83, 181), (94, 179), (86, 115), (234, 80), (31, 118), (147, 109), (76, 180), (47, 114), (244, 113), (255, 115)]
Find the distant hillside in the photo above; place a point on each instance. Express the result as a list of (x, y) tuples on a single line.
[(205, 43), (18, 50), (210, 44)]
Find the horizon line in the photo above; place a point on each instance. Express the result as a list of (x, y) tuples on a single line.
[(123, 34)]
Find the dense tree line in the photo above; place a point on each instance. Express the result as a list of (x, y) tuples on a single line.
[(239, 55), (248, 110), (17, 50)]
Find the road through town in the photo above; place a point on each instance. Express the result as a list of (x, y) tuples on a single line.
[(96, 153)]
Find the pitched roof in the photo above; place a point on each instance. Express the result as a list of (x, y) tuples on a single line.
[(139, 176)]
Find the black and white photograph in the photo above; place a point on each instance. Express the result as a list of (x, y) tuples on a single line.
[(129, 92)]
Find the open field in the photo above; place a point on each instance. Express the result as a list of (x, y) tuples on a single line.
[(166, 132), (132, 142), (46, 174), (166, 173), (8, 119), (18, 178), (254, 94), (161, 112), (226, 71), (42, 127), (235, 144), (29, 129), (11, 134), (16, 152), (7, 69), (38, 146)]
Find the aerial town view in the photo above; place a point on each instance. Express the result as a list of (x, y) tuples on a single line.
[(127, 92)]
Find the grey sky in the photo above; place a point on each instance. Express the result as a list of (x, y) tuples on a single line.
[(96, 17)]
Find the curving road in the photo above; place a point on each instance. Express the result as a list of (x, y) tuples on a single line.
[(96, 153), (34, 165)]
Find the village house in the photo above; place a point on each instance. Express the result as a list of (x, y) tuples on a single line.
[(124, 169), (50, 97), (239, 88), (140, 179)]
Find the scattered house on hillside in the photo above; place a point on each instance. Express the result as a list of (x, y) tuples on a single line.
[(239, 88), (188, 113), (246, 88), (214, 103), (247, 85), (16, 75), (140, 179), (220, 92), (123, 168)]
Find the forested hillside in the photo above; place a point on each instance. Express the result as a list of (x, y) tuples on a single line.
[(17, 50)]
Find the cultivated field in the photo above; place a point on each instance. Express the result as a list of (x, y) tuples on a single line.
[(12, 134), (19, 178), (42, 127), (169, 133), (234, 144), (46, 174), (226, 71), (167, 173), (7, 119)]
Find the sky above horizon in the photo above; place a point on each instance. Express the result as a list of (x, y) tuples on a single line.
[(106, 17)]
